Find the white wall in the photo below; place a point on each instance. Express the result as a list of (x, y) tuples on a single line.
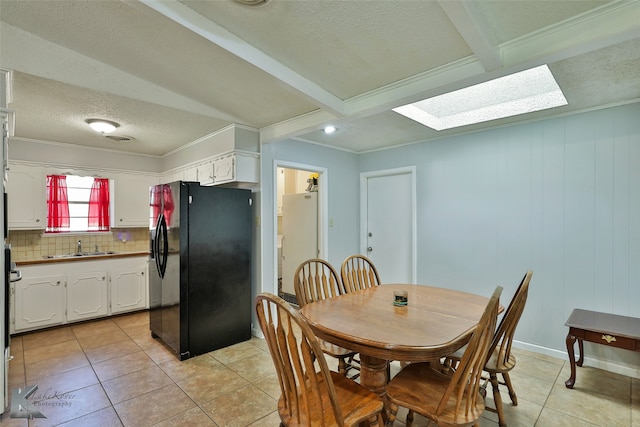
[(560, 197)]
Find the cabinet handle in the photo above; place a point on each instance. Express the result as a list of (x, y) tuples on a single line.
[(37, 219), (609, 339)]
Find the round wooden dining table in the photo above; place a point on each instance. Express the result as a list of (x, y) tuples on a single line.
[(434, 323)]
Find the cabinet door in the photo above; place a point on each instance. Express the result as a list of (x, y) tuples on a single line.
[(131, 200), (87, 295), (205, 173), (27, 197), (128, 290), (190, 174), (224, 169), (39, 302)]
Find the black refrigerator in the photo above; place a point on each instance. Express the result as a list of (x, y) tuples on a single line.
[(200, 278)]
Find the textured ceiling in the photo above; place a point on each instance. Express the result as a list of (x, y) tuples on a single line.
[(171, 72)]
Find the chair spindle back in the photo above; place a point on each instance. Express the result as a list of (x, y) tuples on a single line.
[(314, 280), (503, 338), (358, 272), (465, 384), (302, 370)]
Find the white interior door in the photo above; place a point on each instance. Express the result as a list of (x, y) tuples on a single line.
[(299, 234), (388, 223)]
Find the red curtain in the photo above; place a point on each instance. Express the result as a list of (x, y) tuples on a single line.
[(168, 204), (156, 202), (57, 203), (99, 205)]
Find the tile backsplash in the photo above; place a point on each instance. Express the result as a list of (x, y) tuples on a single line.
[(30, 245)]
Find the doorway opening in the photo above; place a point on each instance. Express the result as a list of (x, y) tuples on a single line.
[(300, 200)]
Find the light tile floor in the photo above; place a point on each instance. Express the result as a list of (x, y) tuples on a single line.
[(111, 372)]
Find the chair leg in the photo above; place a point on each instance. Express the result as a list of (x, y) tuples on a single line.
[(497, 399), (409, 422), (392, 414), (342, 366), (512, 392)]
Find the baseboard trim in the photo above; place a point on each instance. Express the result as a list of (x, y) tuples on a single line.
[(606, 365)]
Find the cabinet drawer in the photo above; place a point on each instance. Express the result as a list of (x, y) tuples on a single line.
[(610, 340)]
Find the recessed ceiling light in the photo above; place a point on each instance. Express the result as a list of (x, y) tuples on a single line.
[(330, 129), (102, 126), (524, 92)]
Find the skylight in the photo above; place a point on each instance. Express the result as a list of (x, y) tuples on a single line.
[(524, 92)]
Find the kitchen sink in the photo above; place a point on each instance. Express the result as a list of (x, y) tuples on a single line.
[(79, 255)]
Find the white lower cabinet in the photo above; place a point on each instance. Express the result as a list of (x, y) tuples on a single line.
[(128, 290), (87, 295), (39, 302), (59, 293)]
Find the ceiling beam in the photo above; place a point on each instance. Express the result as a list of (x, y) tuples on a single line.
[(213, 32), (614, 23), (475, 32)]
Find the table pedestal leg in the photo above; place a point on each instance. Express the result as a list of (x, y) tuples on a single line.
[(373, 375)]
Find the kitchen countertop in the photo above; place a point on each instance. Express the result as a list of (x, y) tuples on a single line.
[(81, 258)]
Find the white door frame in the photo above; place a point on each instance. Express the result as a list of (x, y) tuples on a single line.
[(364, 176), (323, 212)]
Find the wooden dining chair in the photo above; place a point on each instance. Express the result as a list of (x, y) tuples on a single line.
[(315, 279), (447, 399), (358, 272), (500, 359), (311, 394)]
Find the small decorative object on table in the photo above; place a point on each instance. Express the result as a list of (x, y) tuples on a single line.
[(400, 298)]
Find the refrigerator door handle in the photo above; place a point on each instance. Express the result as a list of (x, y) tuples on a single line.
[(156, 245), (165, 246)]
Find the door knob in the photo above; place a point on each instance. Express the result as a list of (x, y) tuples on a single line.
[(369, 249)]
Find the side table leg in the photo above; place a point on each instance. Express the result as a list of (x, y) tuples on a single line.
[(572, 359), (581, 348)]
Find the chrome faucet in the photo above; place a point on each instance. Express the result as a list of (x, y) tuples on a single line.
[(79, 247)]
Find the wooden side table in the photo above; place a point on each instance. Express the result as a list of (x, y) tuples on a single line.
[(601, 328)]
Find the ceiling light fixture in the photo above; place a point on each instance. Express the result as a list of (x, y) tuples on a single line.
[(330, 129), (524, 92), (102, 126)]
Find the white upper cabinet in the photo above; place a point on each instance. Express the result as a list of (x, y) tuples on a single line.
[(131, 200), (27, 197), (238, 167), (205, 173), (190, 174)]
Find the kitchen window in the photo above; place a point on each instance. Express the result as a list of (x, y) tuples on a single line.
[(77, 204)]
